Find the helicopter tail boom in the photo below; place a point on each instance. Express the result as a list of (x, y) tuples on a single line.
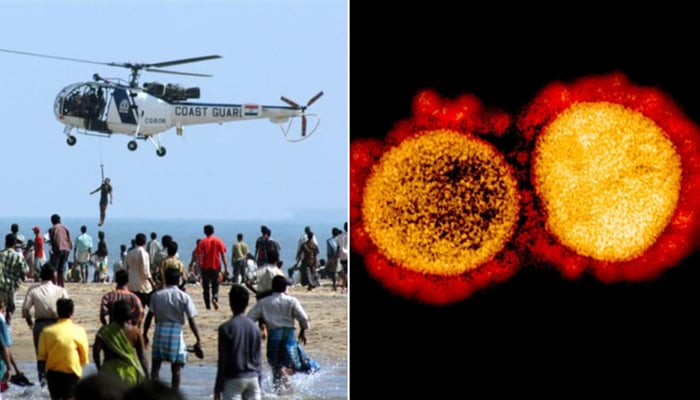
[(185, 113)]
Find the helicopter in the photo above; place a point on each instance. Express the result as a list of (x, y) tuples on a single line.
[(106, 106)]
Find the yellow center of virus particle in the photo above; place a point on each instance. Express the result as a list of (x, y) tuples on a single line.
[(441, 203), (609, 179)]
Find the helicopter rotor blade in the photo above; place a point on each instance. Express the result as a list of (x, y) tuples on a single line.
[(303, 125), (291, 103), (177, 72), (183, 61), (26, 53), (313, 99), (134, 67)]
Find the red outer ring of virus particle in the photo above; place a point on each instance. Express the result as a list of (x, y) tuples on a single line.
[(465, 114), (680, 237)]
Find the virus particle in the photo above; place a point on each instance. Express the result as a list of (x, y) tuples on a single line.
[(435, 206), (614, 170), (441, 203)]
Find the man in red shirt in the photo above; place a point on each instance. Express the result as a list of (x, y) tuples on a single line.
[(39, 255), (211, 252)]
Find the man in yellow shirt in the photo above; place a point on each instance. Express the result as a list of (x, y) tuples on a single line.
[(63, 347), (239, 259), (173, 261)]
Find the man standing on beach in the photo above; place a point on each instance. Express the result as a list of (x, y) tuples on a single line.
[(158, 258), (307, 256), (153, 247), (193, 269), (239, 259), (264, 244), (285, 354), (332, 252), (42, 297), (61, 244), (343, 248), (239, 366), (172, 261), (303, 238), (121, 262), (19, 238), (64, 348), (82, 253), (39, 254), (101, 260), (139, 268), (13, 269), (169, 306), (6, 356), (212, 252)]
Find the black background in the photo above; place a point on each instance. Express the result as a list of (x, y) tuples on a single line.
[(536, 334)]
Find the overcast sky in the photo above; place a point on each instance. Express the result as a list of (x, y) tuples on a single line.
[(236, 170)]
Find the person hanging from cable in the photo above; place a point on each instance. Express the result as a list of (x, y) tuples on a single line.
[(105, 190)]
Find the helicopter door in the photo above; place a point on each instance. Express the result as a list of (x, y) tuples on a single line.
[(96, 115), (84, 101)]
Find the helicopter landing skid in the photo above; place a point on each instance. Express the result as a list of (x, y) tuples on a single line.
[(304, 134)]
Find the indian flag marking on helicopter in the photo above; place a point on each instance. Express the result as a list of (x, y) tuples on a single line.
[(251, 110)]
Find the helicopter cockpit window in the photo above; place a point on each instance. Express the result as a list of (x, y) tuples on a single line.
[(84, 101), (87, 101)]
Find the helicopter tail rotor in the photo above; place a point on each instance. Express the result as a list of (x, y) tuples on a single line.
[(291, 103), (303, 109), (313, 99), (303, 125)]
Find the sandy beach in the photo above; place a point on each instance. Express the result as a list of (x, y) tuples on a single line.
[(327, 340)]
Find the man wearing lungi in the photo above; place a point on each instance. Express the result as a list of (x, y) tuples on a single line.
[(285, 353), (169, 306)]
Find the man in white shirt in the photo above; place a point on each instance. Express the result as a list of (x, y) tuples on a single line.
[(139, 267), (264, 276), (42, 297), (170, 307), (82, 252), (153, 247), (280, 311)]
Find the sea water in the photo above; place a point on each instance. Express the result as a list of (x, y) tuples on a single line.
[(328, 383), (185, 232)]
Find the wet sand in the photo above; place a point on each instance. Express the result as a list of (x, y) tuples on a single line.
[(327, 340)]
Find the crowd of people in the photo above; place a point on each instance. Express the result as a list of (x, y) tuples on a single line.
[(149, 291)]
